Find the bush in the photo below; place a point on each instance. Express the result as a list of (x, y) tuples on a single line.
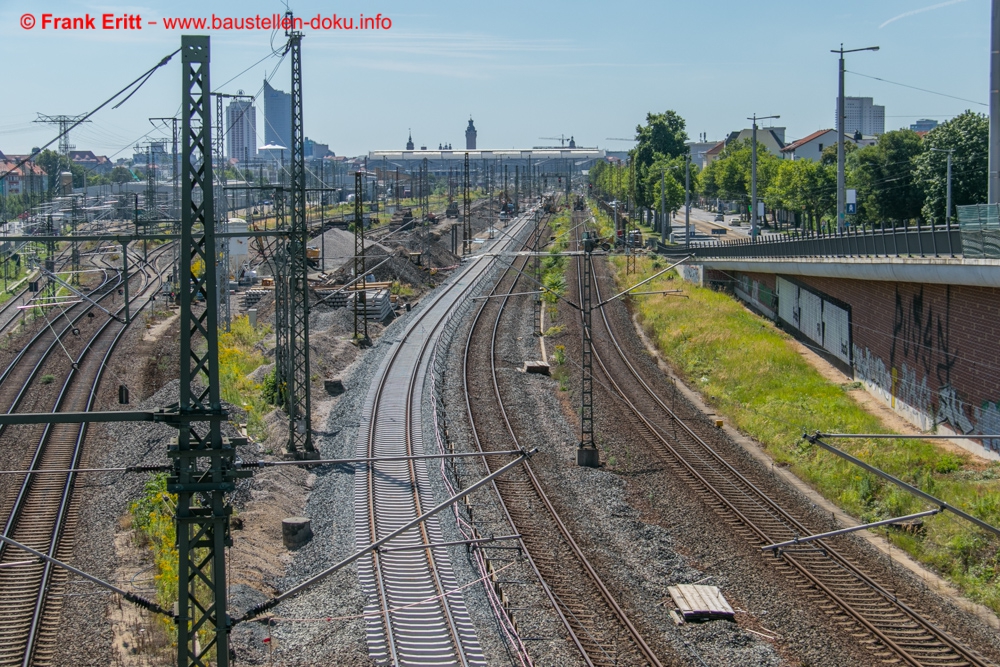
[(269, 388)]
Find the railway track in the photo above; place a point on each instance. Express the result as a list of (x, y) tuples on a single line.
[(43, 514), (415, 614), (875, 617), (597, 625), (10, 310)]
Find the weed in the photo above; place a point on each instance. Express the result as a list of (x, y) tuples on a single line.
[(153, 522), (48, 378), (559, 354)]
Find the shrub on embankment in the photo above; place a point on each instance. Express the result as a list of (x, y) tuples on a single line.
[(755, 378)]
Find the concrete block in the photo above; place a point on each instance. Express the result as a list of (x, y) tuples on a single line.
[(537, 366), (296, 531), (334, 386), (588, 457)]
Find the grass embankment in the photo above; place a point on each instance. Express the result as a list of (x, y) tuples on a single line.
[(756, 379)]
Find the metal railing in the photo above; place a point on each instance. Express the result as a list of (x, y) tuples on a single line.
[(906, 241)]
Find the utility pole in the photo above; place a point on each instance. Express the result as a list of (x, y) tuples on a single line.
[(994, 152), (529, 174), (65, 123), (467, 213), (687, 193), (664, 220), (490, 187), (222, 213), (841, 119), (517, 188), (360, 270), (537, 272), (587, 454), (203, 462), (291, 286), (754, 231), (506, 195)]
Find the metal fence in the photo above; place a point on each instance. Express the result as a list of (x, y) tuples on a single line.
[(907, 241), (980, 225)]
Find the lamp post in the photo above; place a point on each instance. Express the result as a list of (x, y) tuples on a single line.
[(841, 198), (687, 201), (993, 182), (753, 174), (947, 207)]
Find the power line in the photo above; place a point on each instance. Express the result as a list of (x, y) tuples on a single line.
[(923, 90), (81, 119)]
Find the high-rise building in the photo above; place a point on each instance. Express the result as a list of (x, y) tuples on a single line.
[(277, 117), (861, 115), (241, 132), (924, 125), (470, 137)]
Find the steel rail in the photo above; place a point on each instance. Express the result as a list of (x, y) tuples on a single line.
[(57, 498), (556, 606), (10, 304), (785, 521), (462, 641), (588, 569)]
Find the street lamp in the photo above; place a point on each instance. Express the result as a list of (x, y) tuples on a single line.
[(841, 199), (947, 208), (753, 175)]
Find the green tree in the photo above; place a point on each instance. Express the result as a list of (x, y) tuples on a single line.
[(968, 136), (663, 135), (883, 173), (829, 155), (672, 171), (729, 176), (804, 186)]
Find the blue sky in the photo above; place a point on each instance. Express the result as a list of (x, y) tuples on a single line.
[(523, 70)]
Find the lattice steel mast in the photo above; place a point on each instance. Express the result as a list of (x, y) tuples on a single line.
[(587, 453), (291, 286), (467, 212), (222, 210), (203, 462), (64, 123), (360, 294)]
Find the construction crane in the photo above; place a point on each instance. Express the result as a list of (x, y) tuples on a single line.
[(618, 139), (561, 139)]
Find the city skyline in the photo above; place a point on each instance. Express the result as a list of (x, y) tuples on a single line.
[(446, 54)]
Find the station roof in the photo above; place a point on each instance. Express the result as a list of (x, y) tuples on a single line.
[(487, 154)]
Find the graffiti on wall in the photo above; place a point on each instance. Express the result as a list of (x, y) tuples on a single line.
[(902, 390), (921, 348), (922, 336)]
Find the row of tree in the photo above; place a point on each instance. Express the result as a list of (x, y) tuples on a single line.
[(900, 178), (658, 162)]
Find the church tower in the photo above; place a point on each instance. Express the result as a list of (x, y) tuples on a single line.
[(470, 136), (409, 142)]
